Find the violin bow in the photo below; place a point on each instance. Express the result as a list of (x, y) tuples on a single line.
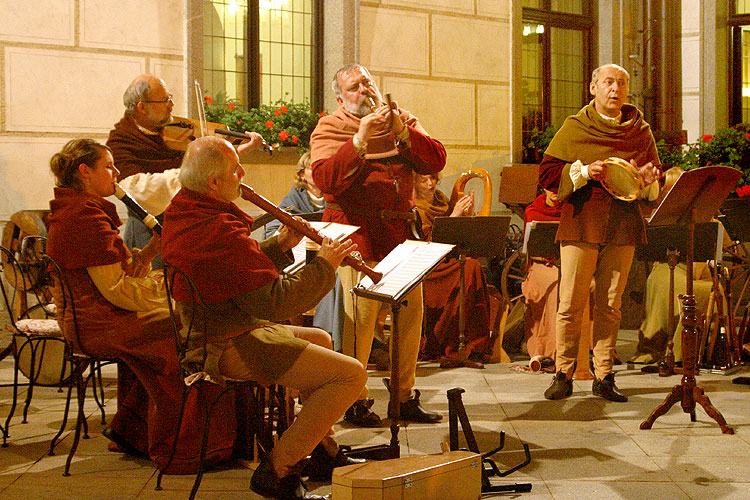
[(201, 108)]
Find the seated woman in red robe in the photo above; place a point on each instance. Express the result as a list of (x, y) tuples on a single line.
[(121, 311), (442, 285), (540, 287)]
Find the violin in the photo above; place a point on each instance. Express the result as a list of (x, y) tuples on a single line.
[(180, 132)]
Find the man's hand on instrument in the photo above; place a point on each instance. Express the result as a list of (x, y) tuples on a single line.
[(597, 170), (254, 140), (369, 123), (288, 238), (334, 251), (649, 172)]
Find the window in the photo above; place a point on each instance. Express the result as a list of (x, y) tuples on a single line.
[(556, 62), (739, 64), (260, 51)]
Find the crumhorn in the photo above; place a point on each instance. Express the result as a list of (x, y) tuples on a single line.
[(288, 220), (145, 217), (458, 188)]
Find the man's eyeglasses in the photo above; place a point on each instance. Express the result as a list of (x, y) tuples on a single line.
[(162, 101)]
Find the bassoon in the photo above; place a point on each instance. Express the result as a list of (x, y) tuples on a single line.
[(288, 220)]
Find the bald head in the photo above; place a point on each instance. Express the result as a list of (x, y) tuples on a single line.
[(206, 159)]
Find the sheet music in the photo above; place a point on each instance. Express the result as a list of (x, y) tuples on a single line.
[(332, 230), (405, 266)]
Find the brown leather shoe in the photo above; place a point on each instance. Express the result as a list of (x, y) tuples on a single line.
[(361, 415), (321, 465), (265, 482), (412, 411), (560, 388), (606, 388)]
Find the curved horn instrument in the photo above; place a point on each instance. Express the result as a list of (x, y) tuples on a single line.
[(137, 209), (288, 220), (458, 188)]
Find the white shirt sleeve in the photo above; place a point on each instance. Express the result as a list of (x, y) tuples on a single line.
[(126, 292), (153, 191), (579, 174)]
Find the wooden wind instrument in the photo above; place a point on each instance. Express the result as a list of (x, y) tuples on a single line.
[(288, 220), (148, 219)]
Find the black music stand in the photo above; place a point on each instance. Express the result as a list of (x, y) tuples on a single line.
[(395, 298), (475, 236), (539, 240), (695, 197), (667, 244)]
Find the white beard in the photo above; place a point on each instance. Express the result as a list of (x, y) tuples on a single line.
[(362, 108)]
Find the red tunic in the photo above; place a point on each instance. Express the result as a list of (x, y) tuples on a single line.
[(83, 233), (363, 187)]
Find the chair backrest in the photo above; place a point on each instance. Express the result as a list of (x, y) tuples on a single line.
[(194, 322), (38, 345)]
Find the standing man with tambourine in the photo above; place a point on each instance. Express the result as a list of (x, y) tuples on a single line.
[(364, 156), (606, 142)]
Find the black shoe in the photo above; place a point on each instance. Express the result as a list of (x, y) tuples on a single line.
[(560, 388), (412, 411), (321, 465), (121, 443), (361, 415), (607, 389), (265, 482)]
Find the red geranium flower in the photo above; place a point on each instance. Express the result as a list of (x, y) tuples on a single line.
[(747, 136), (294, 139), (269, 124), (283, 135), (277, 112), (707, 137), (743, 191), (322, 113), (208, 99), (239, 122), (230, 105), (284, 109)]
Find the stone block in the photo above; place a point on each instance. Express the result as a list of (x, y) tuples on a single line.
[(22, 22), (494, 115), (84, 94), (139, 25), (458, 6), (482, 54), (445, 109), (394, 41), (22, 159)]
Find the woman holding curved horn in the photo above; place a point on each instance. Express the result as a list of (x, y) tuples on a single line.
[(441, 301), (120, 308)]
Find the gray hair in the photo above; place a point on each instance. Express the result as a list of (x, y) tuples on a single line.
[(344, 70), (595, 73), (136, 92), (204, 157)]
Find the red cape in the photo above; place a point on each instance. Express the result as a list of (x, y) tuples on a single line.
[(83, 230), (209, 240)]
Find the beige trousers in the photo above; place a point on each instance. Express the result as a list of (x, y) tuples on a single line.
[(360, 317), (609, 266), (329, 383)]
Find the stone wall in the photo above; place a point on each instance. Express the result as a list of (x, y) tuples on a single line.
[(64, 65), (448, 62)]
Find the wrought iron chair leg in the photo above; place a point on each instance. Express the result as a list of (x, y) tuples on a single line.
[(80, 421), (53, 443), (6, 432), (185, 393)]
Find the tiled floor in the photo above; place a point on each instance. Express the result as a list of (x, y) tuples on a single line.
[(582, 447)]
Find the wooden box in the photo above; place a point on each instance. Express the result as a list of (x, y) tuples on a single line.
[(454, 475)]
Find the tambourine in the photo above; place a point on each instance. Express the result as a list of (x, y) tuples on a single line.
[(621, 179)]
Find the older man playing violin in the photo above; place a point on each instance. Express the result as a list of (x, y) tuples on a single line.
[(148, 167), (597, 232)]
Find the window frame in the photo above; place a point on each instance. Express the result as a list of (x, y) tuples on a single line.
[(735, 23)]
